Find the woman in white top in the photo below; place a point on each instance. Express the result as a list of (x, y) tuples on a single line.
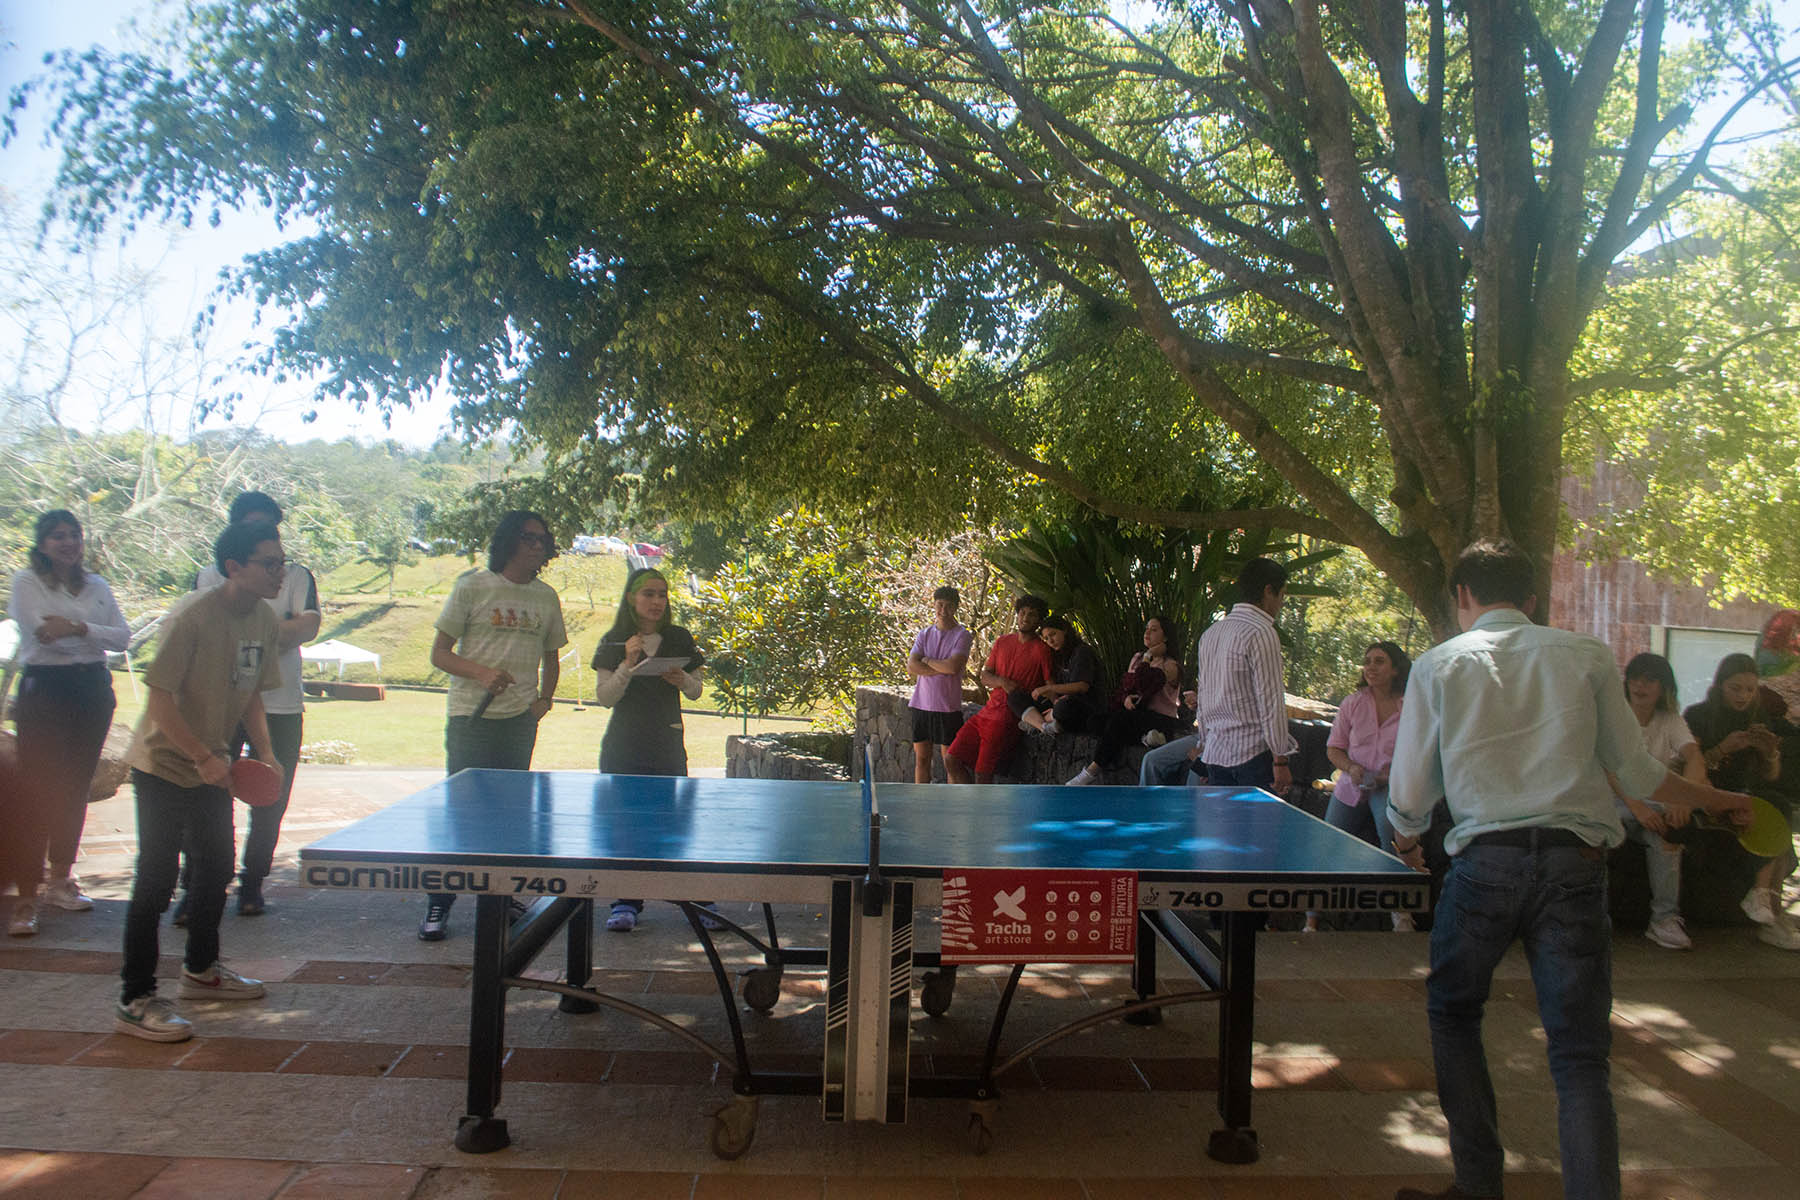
[(68, 620), (1650, 690)]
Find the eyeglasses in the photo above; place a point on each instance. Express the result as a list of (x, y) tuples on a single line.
[(270, 564), (535, 539)]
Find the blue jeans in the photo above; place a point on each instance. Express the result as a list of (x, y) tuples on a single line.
[(1168, 764), (1351, 818), (1553, 899), (1662, 863)]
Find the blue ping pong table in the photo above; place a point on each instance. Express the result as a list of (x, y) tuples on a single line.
[(1209, 864)]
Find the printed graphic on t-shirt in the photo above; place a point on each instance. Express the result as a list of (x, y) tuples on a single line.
[(524, 621), (246, 667)]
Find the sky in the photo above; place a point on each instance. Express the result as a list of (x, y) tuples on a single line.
[(186, 263)]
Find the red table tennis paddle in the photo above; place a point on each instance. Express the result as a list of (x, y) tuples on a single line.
[(255, 782)]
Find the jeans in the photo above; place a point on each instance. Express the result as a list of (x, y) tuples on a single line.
[(1553, 899), (1356, 818), (1169, 766), (503, 744), (1662, 863), (168, 814), (1256, 772)]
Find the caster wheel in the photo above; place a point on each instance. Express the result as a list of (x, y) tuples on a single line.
[(481, 1135), (981, 1134), (734, 1128), (936, 992), (761, 988)]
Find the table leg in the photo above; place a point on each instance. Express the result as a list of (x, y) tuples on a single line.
[(1236, 1143), (480, 1132), (1143, 974), (580, 960)]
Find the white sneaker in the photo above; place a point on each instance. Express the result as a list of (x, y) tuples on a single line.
[(66, 895), (1050, 726), (218, 982), (1404, 923), (1670, 933), (1083, 778), (1758, 907), (1155, 738), (153, 1019), (24, 920), (1781, 935)]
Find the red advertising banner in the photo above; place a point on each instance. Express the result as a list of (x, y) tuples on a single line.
[(1024, 916)]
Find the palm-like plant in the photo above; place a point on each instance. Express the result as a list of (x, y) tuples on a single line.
[(1109, 578)]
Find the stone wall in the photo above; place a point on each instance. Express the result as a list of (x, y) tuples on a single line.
[(821, 756), (884, 728)]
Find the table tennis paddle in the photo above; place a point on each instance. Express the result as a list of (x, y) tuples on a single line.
[(1768, 835), (481, 705), (255, 782)]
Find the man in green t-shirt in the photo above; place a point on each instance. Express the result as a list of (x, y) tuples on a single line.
[(217, 655), (497, 639)]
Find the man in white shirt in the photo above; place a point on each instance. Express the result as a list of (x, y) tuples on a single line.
[(1242, 717), (296, 609)]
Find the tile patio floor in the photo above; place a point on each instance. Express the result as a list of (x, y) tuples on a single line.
[(346, 1081)]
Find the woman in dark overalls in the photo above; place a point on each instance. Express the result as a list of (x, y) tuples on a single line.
[(644, 736)]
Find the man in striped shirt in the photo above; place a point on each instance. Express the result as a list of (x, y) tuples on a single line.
[(1244, 738)]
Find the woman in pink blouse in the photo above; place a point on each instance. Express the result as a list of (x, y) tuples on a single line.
[(1361, 747)]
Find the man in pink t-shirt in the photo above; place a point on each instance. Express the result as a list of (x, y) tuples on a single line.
[(939, 656), (1018, 660)]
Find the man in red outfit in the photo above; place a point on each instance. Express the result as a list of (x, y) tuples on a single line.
[(1019, 660)]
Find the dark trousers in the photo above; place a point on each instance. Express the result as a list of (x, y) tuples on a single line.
[(1125, 726), (64, 714), (1256, 772), (476, 743), (286, 732), (167, 816)]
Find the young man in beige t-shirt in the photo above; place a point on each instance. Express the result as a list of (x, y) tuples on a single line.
[(217, 654)]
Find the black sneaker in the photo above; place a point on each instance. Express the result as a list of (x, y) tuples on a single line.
[(250, 899), (179, 917), (436, 925)]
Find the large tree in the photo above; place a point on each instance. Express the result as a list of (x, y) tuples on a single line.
[(898, 256)]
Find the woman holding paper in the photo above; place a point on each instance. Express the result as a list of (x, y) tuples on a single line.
[(644, 736)]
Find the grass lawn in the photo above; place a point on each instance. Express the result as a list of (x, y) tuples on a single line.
[(407, 730)]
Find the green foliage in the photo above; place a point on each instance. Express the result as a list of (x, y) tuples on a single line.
[(386, 534), (1707, 476), (912, 265), (797, 624), (1110, 579), (1324, 633)]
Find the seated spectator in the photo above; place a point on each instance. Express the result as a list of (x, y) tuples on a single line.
[(1650, 690), (1069, 697), (1361, 747), (1740, 741), (1148, 708)]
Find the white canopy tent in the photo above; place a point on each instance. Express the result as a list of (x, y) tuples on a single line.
[(341, 654)]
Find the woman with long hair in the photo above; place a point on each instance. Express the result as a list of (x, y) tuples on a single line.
[(1361, 747), (1149, 705), (1740, 741), (1066, 703), (644, 735), (68, 622)]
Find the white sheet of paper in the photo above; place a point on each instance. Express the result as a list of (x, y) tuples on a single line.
[(658, 666)]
